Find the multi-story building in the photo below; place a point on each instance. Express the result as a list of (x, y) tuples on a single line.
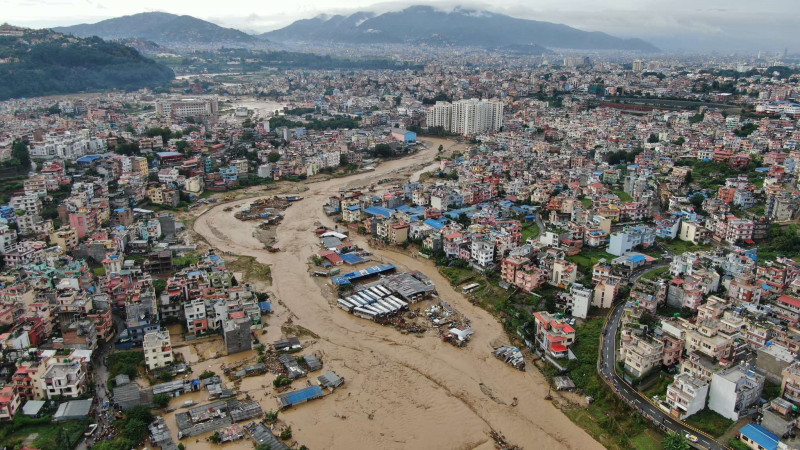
[(553, 335), (64, 379), (624, 241), (9, 402), (187, 107), (734, 390), (642, 354), (157, 349), (686, 395), (467, 117)]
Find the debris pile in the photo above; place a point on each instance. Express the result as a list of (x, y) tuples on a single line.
[(511, 356)]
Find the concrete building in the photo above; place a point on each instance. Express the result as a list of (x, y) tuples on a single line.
[(157, 350), (734, 390), (625, 241), (686, 395), (237, 334), (187, 107), (466, 117), (67, 379), (642, 354)]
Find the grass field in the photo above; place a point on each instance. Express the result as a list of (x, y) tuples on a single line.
[(678, 247), (624, 196), (46, 435), (647, 440), (655, 273), (530, 230), (589, 257), (710, 422)]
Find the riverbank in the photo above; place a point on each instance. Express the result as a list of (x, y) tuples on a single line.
[(402, 391)]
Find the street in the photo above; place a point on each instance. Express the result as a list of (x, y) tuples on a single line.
[(608, 362)]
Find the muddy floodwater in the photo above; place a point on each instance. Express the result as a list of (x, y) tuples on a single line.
[(402, 390)]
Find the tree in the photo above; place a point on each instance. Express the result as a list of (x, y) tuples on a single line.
[(161, 400), (441, 148), (653, 138), (263, 447), (215, 438), (286, 433), (207, 374), (697, 201), (675, 441), (136, 430), (273, 157)]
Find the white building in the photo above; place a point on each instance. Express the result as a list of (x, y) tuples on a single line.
[(195, 313), (581, 298), (157, 350), (187, 107), (482, 252), (734, 390), (467, 117), (625, 241), (67, 146), (686, 395), (67, 379), (8, 239)]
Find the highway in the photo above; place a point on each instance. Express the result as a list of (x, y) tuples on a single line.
[(607, 367)]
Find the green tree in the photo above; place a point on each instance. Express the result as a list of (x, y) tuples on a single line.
[(273, 157), (286, 433), (675, 441), (263, 447), (697, 201), (135, 430), (161, 400), (653, 138), (441, 148)]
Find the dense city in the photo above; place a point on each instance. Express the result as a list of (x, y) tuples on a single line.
[(553, 250)]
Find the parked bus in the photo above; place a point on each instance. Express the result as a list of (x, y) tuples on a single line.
[(469, 288)]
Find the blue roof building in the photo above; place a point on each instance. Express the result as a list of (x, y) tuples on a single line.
[(754, 434)]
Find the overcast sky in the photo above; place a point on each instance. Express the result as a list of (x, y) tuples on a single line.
[(728, 25)]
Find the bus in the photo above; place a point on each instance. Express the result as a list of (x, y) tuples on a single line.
[(469, 288)]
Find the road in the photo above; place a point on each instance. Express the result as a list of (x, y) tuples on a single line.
[(608, 364)]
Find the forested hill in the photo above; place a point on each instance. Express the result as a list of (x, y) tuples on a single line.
[(43, 62)]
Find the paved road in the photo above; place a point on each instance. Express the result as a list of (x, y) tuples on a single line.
[(608, 362)]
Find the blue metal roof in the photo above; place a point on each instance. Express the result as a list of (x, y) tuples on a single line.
[(303, 395), (761, 436), (378, 211), (352, 258), (637, 258), (353, 208), (438, 224), (265, 306)]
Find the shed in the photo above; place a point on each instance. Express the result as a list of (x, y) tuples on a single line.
[(32, 407), (289, 399), (73, 410), (330, 380), (313, 362)]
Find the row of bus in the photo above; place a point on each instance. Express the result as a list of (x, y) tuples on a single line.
[(372, 303)]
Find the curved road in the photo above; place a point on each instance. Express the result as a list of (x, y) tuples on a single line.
[(607, 368)]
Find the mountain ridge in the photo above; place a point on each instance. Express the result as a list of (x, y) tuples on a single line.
[(416, 24), (164, 29)]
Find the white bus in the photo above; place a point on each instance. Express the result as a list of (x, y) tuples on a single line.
[(469, 288)]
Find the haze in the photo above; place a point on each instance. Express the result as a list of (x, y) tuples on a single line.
[(678, 25)]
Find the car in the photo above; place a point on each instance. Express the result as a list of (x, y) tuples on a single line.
[(691, 437), (91, 430)]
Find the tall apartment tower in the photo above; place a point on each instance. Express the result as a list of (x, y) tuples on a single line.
[(638, 65), (467, 117)]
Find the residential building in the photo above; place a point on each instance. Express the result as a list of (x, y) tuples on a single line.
[(734, 390), (157, 350), (686, 395)]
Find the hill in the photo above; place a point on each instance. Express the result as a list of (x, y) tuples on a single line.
[(165, 29), (41, 62), (425, 24)]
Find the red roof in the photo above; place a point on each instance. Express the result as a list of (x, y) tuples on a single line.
[(237, 315), (558, 348), (789, 300)]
